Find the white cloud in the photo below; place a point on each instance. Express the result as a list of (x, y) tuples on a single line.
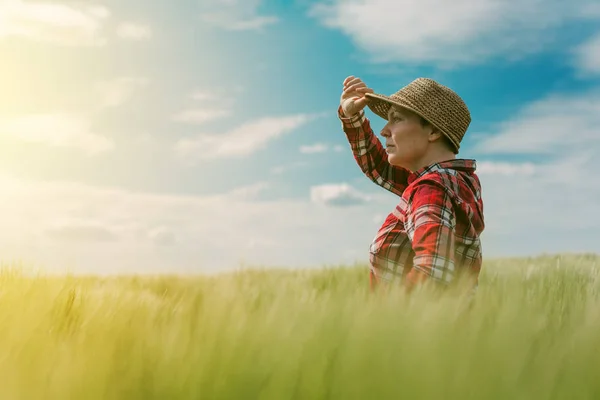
[(241, 141), (162, 236), (133, 31), (74, 130), (590, 10), (202, 95), (280, 169), (249, 192), (172, 233), (82, 232), (200, 115), (379, 218), (198, 112), (551, 209), (549, 205), (235, 15), (254, 23), (314, 148), (337, 195), (320, 148), (587, 55), (223, 94), (56, 130), (56, 23), (117, 91), (505, 168), (555, 125), (464, 31)]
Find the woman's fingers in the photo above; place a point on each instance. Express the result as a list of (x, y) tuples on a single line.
[(351, 81), (348, 80), (356, 86), (365, 90)]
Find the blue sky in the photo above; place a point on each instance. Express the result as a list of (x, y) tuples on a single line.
[(193, 137)]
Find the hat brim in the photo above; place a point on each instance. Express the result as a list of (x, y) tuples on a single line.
[(380, 105)]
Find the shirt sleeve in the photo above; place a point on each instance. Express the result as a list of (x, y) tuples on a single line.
[(370, 154), (430, 225)]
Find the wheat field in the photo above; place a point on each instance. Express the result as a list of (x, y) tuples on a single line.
[(531, 333)]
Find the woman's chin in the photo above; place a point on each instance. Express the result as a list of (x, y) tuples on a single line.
[(393, 159)]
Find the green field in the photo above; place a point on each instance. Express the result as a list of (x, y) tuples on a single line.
[(533, 333)]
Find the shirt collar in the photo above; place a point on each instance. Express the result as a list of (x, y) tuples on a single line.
[(458, 164)]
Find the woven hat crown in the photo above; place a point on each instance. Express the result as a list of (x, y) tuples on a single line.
[(438, 104)]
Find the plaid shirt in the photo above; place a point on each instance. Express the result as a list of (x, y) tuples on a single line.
[(433, 232)]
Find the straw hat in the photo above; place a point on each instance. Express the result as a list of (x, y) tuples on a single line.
[(438, 104)]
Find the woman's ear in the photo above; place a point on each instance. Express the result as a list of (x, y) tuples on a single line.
[(434, 134)]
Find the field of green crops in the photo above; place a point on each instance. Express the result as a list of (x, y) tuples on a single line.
[(533, 332)]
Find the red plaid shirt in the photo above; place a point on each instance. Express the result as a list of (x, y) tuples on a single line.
[(433, 233)]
